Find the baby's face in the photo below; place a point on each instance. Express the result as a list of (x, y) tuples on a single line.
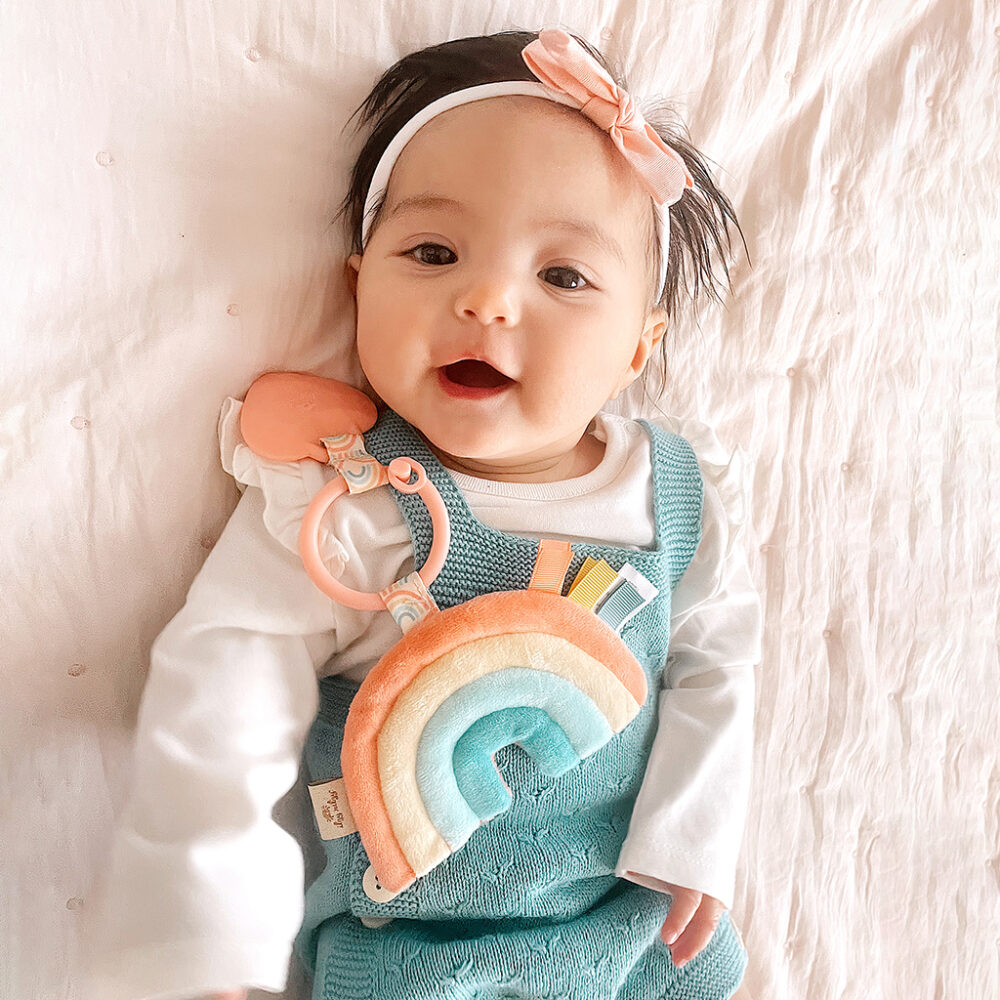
[(502, 298)]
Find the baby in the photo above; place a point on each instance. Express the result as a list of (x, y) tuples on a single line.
[(520, 233)]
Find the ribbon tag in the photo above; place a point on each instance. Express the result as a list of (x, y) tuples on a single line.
[(551, 563), (348, 456), (409, 600), (333, 812), (593, 580), (630, 592)]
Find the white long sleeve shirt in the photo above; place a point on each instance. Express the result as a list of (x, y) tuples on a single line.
[(203, 890)]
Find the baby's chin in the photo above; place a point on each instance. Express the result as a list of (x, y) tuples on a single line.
[(453, 439), (463, 453), (484, 462)]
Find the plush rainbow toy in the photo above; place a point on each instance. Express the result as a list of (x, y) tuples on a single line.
[(459, 685), (529, 666)]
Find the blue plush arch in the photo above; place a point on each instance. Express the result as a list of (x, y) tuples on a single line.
[(537, 733), (583, 723)]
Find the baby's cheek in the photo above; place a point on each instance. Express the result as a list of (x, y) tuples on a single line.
[(376, 363)]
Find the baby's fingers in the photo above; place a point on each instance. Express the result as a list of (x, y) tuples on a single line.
[(682, 909), (698, 932)]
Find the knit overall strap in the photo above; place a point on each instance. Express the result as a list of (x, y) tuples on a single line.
[(678, 496), (484, 560)]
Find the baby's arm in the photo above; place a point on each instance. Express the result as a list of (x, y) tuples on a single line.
[(688, 819), (202, 890)]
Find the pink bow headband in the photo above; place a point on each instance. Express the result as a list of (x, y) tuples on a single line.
[(569, 75)]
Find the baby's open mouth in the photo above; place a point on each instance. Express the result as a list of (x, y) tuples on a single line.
[(475, 375)]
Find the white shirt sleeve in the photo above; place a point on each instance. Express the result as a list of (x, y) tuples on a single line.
[(687, 824), (202, 890)]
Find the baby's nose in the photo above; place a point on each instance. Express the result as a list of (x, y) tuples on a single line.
[(491, 299)]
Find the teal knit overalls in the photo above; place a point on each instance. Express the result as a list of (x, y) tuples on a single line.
[(529, 907)]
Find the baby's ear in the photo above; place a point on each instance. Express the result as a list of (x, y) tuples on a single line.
[(655, 328), (351, 268), (652, 333)]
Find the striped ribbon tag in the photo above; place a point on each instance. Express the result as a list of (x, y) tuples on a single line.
[(591, 582), (551, 563), (630, 592)]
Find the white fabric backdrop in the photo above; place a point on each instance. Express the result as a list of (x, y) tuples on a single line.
[(169, 173)]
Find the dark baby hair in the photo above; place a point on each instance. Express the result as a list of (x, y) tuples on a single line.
[(698, 221)]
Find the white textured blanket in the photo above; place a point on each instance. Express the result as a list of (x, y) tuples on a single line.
[(169, 173)]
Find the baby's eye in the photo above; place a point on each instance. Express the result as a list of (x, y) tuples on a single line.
[(567, 274), (431, 258)]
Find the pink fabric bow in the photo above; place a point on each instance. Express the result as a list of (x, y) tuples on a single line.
[(564, 65)]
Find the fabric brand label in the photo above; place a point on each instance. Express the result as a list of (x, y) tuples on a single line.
[(333, 812)]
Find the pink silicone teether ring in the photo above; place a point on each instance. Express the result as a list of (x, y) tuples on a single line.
[(400, 470)]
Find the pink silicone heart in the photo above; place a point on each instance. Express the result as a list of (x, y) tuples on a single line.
[(285, 414)]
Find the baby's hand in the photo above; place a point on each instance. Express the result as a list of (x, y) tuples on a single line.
[(690, 923), (231, 995)]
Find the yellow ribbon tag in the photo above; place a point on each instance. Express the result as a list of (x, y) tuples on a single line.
[(591, 583)]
